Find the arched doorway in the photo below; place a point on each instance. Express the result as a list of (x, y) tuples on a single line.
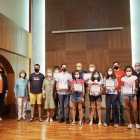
[(9, 103)]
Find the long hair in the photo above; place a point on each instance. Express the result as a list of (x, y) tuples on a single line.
[(113, 76), (92, 77), (3, 71), (74, 74)]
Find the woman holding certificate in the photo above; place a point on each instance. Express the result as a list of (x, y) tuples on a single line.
[(95, 95), (77, 88), (110, 83), (129, 89)]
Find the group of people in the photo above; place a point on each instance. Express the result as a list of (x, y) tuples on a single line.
[(56, 87)]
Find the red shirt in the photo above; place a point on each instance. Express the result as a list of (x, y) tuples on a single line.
[(79, 81), (119, 75), (1, 85)]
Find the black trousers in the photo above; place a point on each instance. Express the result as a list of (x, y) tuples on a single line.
[(56, 101), (1, 103), (112, 99), (138, 96)]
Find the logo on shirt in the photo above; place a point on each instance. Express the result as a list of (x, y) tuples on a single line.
[(117, 75), (36, 78)]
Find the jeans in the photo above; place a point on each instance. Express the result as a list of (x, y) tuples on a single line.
[(66, 99)]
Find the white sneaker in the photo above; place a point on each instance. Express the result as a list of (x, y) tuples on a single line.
[(129, 126), (99, 124), (73, 123), (90, 123), (47, 120), (51, 120), (137, 126), (80, 123)]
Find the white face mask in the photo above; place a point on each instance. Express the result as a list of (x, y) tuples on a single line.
[(110, 72), (49, 74), (91, 69), (76, 76), (128, 73), (56, 71)]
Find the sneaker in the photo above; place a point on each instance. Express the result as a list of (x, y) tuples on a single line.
[(84, 119), (80, 123), (116, 125), (73, 123), (122, 120), (129, 126), (90, 123), (51, 120), (19, 119), (99, 124), (47, 120), (61, 120), (137, 126), (67, 121), (105, 125)]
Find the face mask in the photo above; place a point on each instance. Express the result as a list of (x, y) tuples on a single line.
[(0, 72), (110, 72), (56, 71), (138, 68), (64, 69), (128, 73), (96, 76), (79, 68), (116, 67), (91, 69), (49, 74), (36, 70), (76, 76), (22, 75)]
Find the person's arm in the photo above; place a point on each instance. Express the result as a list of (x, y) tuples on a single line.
[(15, 90), (6, 86), (43, 89), (29, 87), (136, 82), (116, 83), (89, 87)]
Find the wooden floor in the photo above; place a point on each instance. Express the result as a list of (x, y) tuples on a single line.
[(11, 129)]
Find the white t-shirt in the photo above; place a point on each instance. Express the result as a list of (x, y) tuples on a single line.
[(55, 75), (96, 93), (110, 90), (64, 78), (130, 81)]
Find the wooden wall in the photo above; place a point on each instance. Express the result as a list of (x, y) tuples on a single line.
[(15, 51), (101, 48)]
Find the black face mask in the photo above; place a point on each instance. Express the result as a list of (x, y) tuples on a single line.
[(116, 67), (36, 70), (64, 69), (1, 72)]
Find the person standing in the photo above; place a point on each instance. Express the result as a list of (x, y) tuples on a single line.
[(3, 90), (35, 91), (21, 94), (63, 88), (49, 87), (119, 74)]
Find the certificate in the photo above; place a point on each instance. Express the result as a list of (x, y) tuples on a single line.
[(95, 88), (127, 89), (110, 83), (63, 86), (78, 87)]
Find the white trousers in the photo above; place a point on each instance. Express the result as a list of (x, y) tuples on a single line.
[(22, 105)]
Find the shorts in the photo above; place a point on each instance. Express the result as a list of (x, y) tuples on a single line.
[(130, 96), (35, 97), (95, 98), (76, 97)]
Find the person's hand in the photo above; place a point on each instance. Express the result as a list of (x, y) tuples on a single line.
[(55, 96), (104, 87), (16, 97), (116, 87), (67, 90), (72, 88), (88, 89), (82, 100), (59, 90), (6, 95), (43, 96), (136, 89), (119, 91)]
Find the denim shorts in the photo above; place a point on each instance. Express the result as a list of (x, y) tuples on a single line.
[(76, 97), (130, 96)]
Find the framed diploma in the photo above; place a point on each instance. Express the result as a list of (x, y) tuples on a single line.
[(127, 89), (95, 88), (78, 87), (110, 83), (63, 86)]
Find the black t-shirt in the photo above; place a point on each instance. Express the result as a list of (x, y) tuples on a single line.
[(36, 81)]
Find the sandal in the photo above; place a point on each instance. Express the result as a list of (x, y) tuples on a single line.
[(31, 120), (40, 119)]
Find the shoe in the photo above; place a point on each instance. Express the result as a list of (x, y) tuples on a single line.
[(116, 125), (1, 120), (129, 126), (61, 120), (105, 125), (80, 123), (99, 124), (90, 123), (51, 120), (56, 117), (76, 119), (40, 119), (137, 126), (97, 120), (18, 119), (73, 123), (83, 119), (31, 120), (112, 120), (122, 120), (47, 120), (67, 121), (24, 118)]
